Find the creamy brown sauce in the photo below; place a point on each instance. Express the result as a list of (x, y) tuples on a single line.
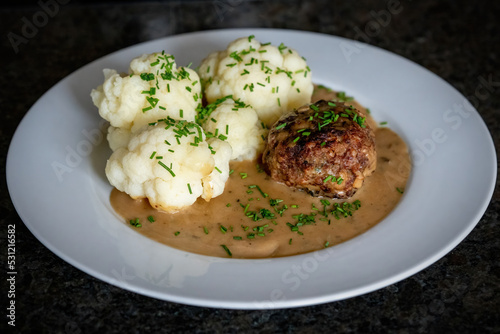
[(228, 219)]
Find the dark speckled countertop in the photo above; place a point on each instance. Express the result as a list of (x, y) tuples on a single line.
[(457, 40)]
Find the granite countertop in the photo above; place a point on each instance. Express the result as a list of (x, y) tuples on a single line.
[(457, 40)]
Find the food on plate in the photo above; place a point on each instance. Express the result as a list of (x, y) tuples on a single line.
[(223, 160), (238, 124), (159, 152), (272, 79), (118, 137), (325, 148), (257, 217), (153, 88), (171, 164)]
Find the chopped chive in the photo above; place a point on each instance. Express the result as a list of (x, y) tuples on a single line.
[(281, 126), (147, 76), (151, 219), (189, 188), (135, 222), (167, 168), (227, 250)]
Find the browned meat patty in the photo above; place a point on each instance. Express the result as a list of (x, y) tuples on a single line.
[(325, 148)]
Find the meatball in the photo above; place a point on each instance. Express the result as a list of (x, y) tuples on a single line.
[(325, 148)]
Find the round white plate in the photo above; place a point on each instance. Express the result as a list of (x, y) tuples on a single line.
[(55, 175)]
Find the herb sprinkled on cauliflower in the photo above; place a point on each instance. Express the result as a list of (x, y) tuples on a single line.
[(171, 163), (273, 80), (155, 88), (238, 124)]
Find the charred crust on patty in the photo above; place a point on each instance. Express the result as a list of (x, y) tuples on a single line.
[(325, 148)]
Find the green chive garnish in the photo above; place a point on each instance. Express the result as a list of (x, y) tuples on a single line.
[(167, 168), (227, 250)]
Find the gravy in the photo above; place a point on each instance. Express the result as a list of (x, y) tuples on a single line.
[(243, 223)]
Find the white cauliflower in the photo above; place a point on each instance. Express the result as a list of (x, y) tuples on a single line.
[(154, 88), (118, 137), (171, 164), (239, 125), (273, 80)]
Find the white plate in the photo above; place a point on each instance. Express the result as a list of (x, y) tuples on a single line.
[(55, 177)]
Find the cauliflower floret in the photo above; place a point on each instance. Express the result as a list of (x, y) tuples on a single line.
[(155, 88), (240, 124), (118, 137), (214, 184), (171, 164), (273, 80)]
